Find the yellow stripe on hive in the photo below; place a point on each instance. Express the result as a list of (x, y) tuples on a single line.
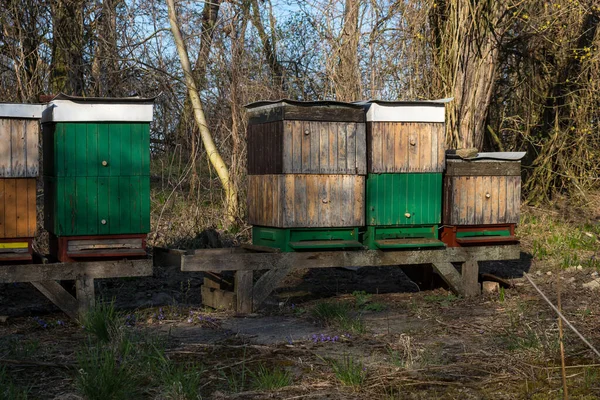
[(14, 245)]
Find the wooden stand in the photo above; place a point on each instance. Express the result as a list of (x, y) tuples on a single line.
[(78, 248), (45, 276), (478, 235), (249, 296)]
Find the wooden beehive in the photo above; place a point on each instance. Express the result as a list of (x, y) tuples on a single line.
[(482, 192), (17, 208), (306, 201), (97, 166), (289, 137), (19, 140), (405, 137), (306, 164)]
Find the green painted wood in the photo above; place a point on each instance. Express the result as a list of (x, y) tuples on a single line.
[(78, 149), (305, 238), (80, 204), (391, 197), (374, 236)]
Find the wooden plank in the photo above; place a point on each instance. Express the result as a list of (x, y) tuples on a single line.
[(299, 202), (315, 134), (486, 191), (400, 159), (306, 133), (211, 260), (288, 146), (342, 150), (31, 206), (414, 164), (388, 147), (86, 294), (18, 155), (10, 208), (21, 210), (425, 160), (243, 291), (75, 270), (470, 275), (323, 148), (59, 296), (32, 148), (352, 138), (358, 201), (441, 147), (501, 198), (5, 151), (483, 168), (333, 147), (450, 275), (2, 206), (162, 257), (297, 146), (217, 298), (268, 282)]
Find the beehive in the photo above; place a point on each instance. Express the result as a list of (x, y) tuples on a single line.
[(306, 174), (97, 175), (19, 167), (406, 158), (482, 199)]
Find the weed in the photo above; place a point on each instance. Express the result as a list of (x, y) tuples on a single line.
[(361, 298), (443, 300), (377, 307), (181, 381), (338, 314), (529, 340), (501, 295), (270, 379), (406, 355), (102, 321), (236, 379), (104, 374), (349, 372), (10, 391), (21, 349)]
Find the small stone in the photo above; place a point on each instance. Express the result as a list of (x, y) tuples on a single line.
[(549, 273), (572, 268), (593, 285), (595, 273), (579, 268), (3, 319), (538, 272), (490, 287), (571, 279)]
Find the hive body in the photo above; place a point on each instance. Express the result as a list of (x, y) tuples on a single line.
[(97, 176), (19, 168), (306, 174), (482, 199)]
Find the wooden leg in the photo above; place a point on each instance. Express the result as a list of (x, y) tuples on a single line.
[(243, 291), (86, 295), (450, 275), (267, 283), (59, 296), (470, 278)]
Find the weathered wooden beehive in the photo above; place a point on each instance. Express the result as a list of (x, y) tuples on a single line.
[(19, 168), (97, 176), (306, 167), (482, 199), (406, 158)]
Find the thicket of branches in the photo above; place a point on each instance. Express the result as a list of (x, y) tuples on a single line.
[(524, 73)]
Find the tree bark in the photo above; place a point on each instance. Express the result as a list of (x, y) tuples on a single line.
[(207, 140), (347, 79), (105, 67)]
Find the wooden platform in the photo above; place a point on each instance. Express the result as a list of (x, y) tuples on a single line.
[(45, 277), (82, 248), (250, 295)]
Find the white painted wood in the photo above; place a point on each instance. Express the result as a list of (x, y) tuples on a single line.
[(405, 112), (71, 111), (22, 111)]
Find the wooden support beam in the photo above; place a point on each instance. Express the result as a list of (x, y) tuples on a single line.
[(233, 260), (163, 257), (74, 270), (470, 278), (86, 294), (268, 282), (218, 298), (450, 275), (243, 291), (59, 296)]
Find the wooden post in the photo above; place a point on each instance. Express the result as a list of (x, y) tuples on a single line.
[(268, 282), (450, 275), (470, 278), (59, 296), (86, 295), (243, 291)]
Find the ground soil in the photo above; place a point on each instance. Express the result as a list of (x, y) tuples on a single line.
[(418, 344)]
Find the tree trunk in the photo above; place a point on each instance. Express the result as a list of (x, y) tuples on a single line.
[(269, 48), (207, 140), (347, 79), (67, 47), (105, 67)]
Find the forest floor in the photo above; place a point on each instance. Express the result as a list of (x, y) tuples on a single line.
[(325, 334)]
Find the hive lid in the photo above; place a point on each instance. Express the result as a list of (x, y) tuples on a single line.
[(405, 111), (265, 104), (65, 108), (23, 111), (498, 156)]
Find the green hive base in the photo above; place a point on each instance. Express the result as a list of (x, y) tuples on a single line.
[(306, 239), (401, 237)]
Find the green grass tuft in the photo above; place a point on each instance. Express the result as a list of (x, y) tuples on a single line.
[(8, 389), (181, 381), (338, 315), (270, 379), (102, 321), (349, 372)]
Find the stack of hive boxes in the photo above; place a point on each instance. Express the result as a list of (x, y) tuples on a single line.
[(97, 176), (406, 153), (306, 174), (482, 199), (19, 168)]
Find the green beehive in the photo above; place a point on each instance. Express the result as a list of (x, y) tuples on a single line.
[(97, 166), (406, 158)]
